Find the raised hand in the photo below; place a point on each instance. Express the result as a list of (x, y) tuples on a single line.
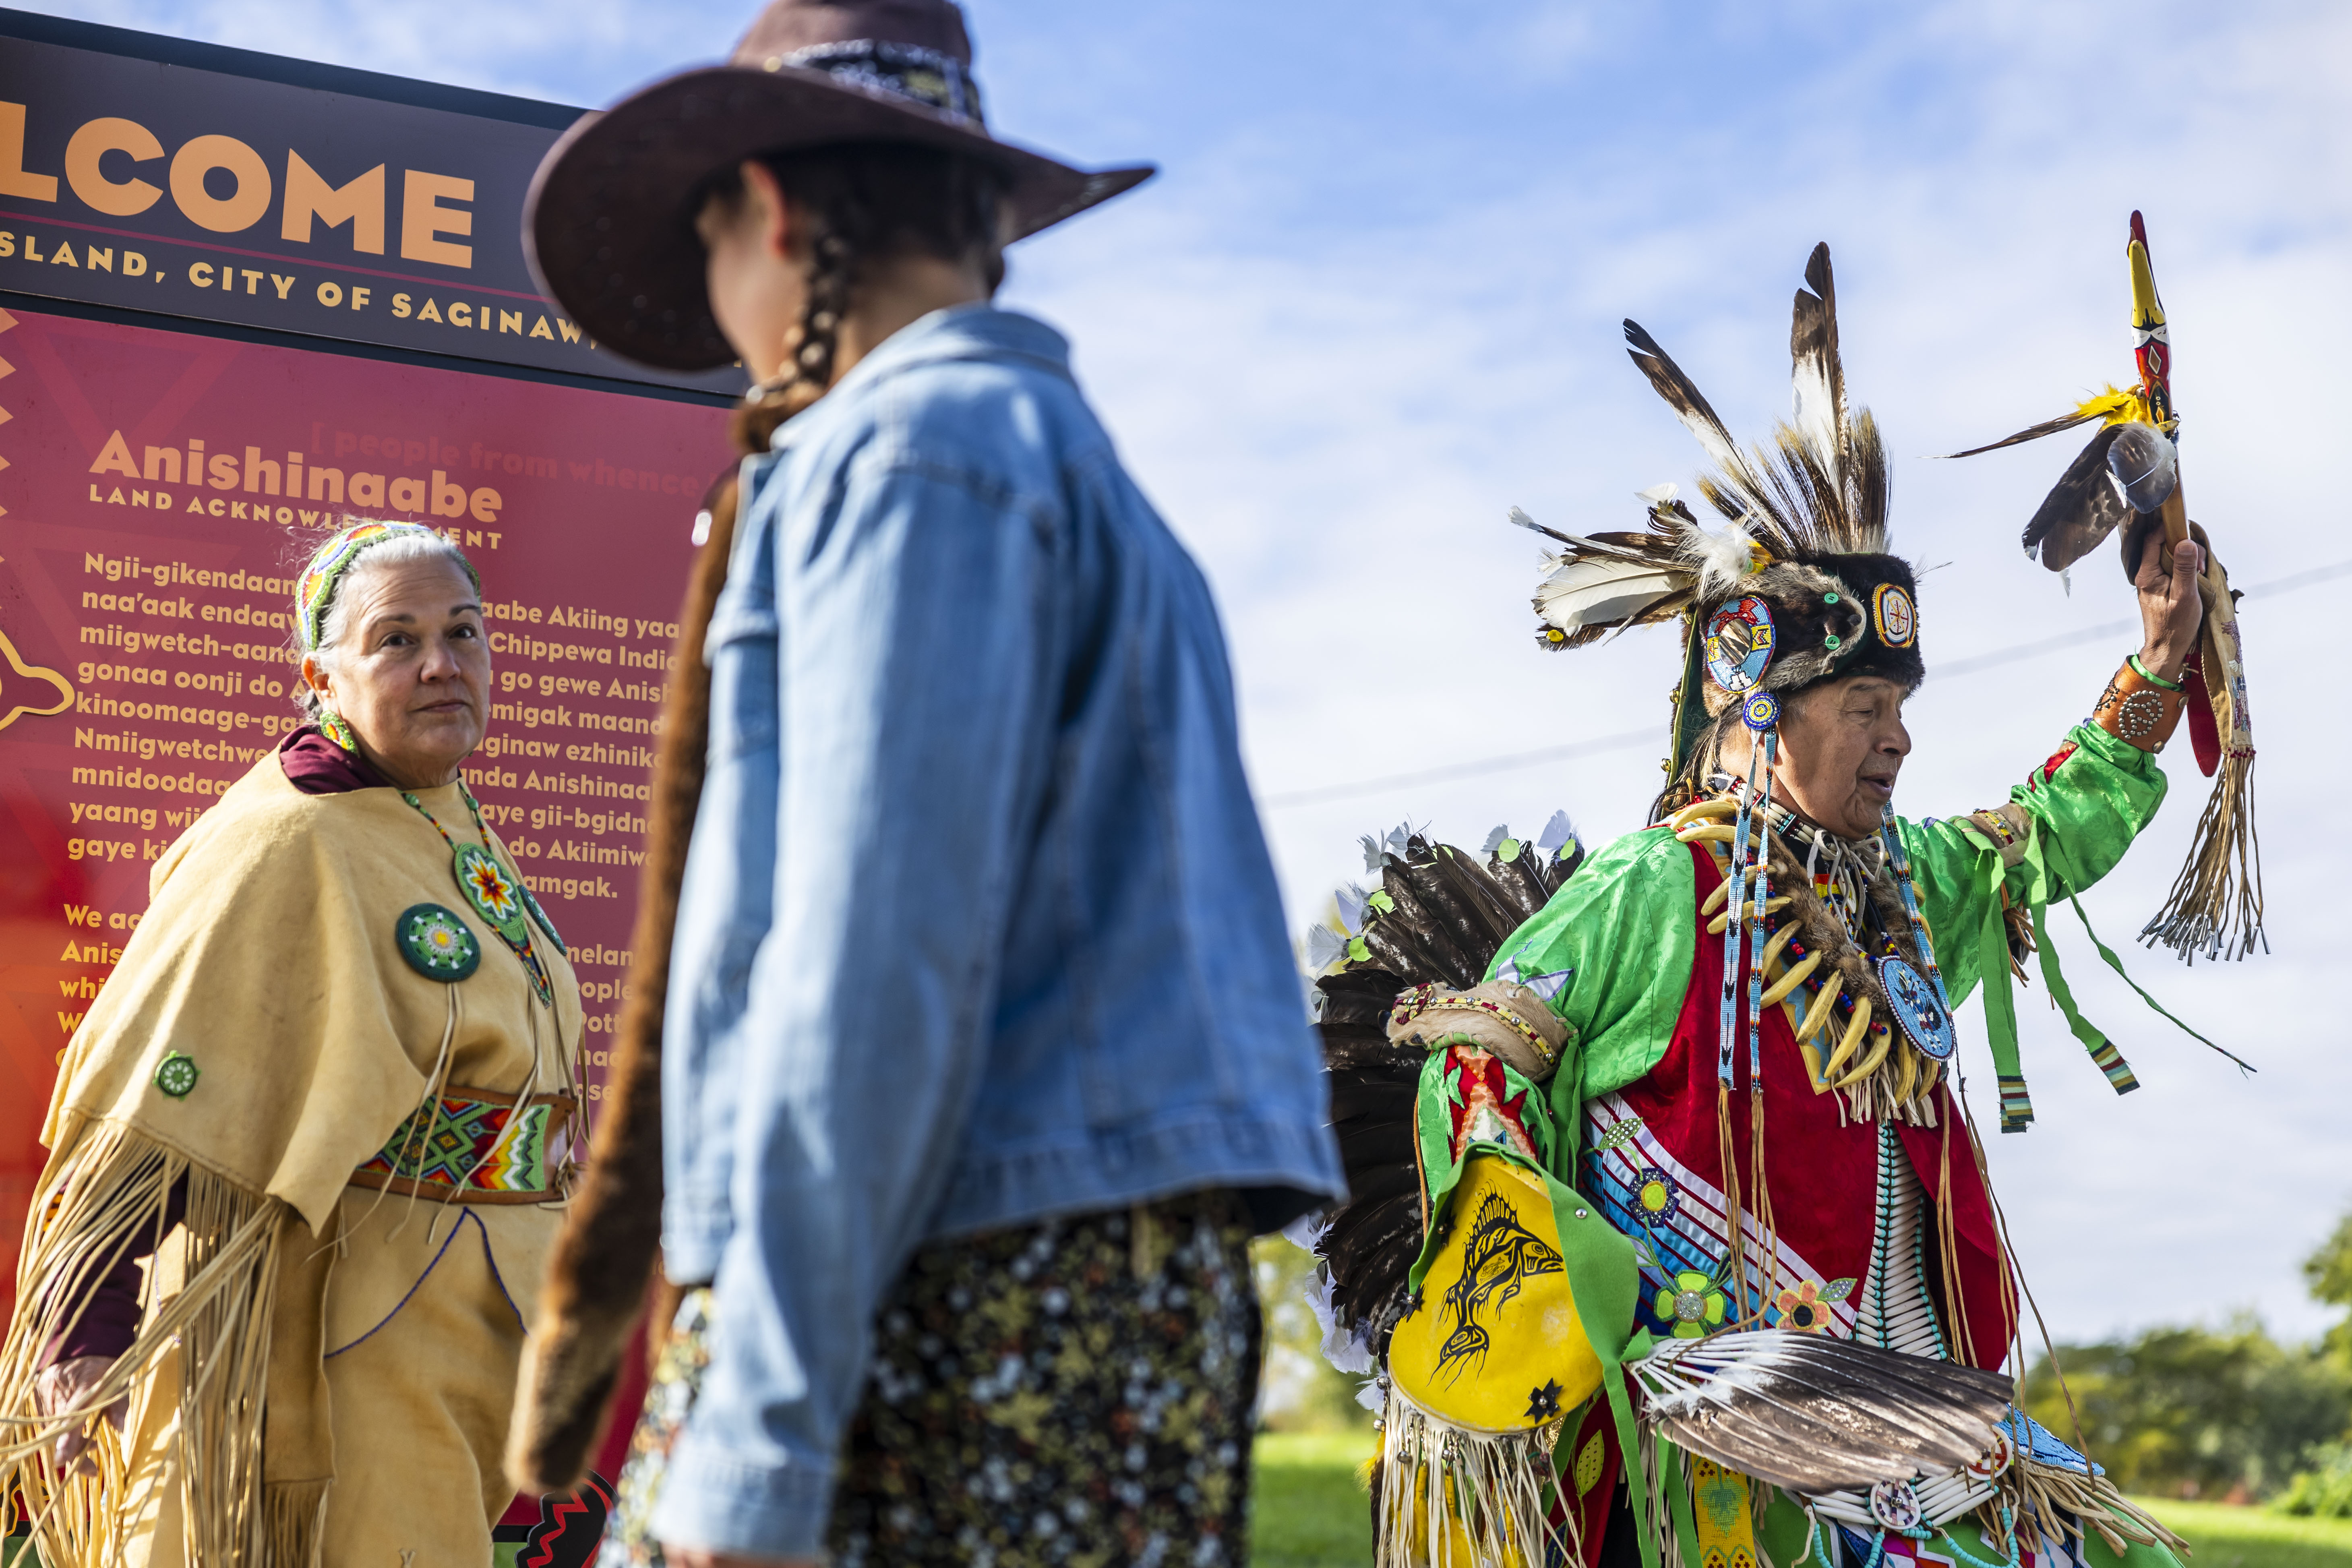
[(2171, 612)]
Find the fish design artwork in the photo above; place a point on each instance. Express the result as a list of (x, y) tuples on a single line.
[(1500, 1256)]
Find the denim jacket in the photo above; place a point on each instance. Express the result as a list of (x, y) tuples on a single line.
[(978, 923)]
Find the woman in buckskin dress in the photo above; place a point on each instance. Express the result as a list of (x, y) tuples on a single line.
[(307, 1148)]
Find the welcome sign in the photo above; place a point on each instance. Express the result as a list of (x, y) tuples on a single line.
[(243, 301), (231, 187)]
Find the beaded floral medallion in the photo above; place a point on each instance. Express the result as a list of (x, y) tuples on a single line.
[(490, 891), (495, 893)]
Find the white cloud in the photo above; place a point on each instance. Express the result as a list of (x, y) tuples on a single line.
[(1336, 414)]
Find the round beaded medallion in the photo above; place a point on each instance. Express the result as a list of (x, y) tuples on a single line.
[(436, 942), (176, 1074), (1898, 621), (1894, 1505), (1917, 1008), (1995, 1459), (1740, 643)]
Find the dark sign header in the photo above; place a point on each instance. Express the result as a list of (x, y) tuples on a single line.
[(187, 180)]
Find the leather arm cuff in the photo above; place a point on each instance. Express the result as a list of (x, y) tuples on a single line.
[(2136, 711)]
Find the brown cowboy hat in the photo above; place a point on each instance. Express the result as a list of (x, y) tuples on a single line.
[(608, 226)]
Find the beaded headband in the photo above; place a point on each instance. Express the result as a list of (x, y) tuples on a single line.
[(316, 590)]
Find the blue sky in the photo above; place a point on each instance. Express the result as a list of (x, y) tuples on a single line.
[(1373, 301)]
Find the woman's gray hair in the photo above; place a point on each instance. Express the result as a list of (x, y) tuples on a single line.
[(396, 551)]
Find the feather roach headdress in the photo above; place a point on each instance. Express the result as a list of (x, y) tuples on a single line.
[(1795, 585)]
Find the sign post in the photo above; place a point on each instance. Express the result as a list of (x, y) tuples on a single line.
[(243, 300)]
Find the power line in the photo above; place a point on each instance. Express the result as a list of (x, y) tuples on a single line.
[(1512, 761)]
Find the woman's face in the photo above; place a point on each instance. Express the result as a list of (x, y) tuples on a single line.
[(757, 287), (1842, 746), (412, 673)]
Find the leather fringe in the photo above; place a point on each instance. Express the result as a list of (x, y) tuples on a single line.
[(2069, 1503), (1449, 1495), (2215, 907), (294, 1523), (108, 1193)]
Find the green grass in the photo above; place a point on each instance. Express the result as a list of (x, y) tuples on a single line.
[(1306, 1511), (1310, 1514), (2221, 1536)]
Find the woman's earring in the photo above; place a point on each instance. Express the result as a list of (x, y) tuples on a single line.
[(331, 725)]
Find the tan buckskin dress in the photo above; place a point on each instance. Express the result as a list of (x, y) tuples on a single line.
[(326, 1354)]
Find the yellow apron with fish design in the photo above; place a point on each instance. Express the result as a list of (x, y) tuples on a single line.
[(1495, 1344)]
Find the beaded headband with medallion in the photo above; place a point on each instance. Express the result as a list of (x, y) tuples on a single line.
[(314, 592)]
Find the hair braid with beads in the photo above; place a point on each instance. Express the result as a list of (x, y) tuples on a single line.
[(866, 202)]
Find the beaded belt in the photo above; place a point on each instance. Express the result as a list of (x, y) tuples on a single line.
[(473, 1147)]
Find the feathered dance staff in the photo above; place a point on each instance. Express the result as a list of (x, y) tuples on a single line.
[(2129, 475)]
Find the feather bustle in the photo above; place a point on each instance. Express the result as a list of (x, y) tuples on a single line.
[(1816, 1413), (1450, 915)]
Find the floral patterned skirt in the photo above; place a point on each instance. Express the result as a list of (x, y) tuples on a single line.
[(1077, 1392)]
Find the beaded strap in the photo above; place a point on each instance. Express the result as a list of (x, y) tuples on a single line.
[(1900, 858), (475, 1146)]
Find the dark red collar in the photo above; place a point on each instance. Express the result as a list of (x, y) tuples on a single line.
[(316, 765)]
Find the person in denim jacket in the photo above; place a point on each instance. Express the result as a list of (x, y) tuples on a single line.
[(986, 1051)]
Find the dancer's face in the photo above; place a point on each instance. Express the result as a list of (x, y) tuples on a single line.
[(1842, 746)]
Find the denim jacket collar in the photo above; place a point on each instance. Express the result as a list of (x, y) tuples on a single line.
[(977, 330)]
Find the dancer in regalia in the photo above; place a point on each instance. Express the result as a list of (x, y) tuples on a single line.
[(1652, 1149)]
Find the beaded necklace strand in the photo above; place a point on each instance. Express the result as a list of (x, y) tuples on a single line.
[(1837, 869)]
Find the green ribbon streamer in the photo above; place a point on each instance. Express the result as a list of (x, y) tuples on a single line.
[(2057, 869), (1678, 1502), (1992, 969), (2118, 966), (2047, 871)]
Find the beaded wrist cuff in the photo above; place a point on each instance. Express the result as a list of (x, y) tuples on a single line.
[(2138, 711)]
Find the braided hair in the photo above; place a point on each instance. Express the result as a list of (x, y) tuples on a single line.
[(865, 202)]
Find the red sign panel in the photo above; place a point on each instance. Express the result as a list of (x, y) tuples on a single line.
[(158, 492)]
